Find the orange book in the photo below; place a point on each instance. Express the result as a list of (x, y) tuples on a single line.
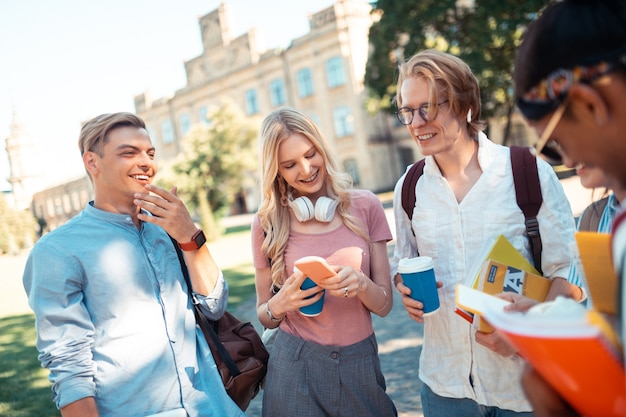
[(580, 357)]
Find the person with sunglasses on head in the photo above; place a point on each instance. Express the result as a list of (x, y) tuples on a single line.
[(466, 197), (570, 84)]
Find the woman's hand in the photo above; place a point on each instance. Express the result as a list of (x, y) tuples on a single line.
[(347, 282), (291, 297)]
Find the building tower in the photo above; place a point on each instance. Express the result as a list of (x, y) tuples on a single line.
[(24, 177)]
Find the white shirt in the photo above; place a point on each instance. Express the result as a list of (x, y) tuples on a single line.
[(452, 364)]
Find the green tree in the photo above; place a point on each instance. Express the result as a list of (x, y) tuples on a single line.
[(18, 228), (484, 33), (217, 161)]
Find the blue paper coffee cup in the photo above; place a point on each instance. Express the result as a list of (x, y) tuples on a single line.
[(418, 274), (314, 309)]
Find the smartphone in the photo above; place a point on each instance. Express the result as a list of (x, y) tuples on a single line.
[(314, 267)]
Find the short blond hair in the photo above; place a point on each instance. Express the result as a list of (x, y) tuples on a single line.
[(93, 134)]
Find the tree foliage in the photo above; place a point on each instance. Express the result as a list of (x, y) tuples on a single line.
[(484, 33), (18, 228), (216, 162)]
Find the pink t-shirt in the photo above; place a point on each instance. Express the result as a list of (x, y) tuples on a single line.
[(343, 321)]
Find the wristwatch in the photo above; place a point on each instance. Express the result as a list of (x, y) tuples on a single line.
[(197, 240), (270, 315)]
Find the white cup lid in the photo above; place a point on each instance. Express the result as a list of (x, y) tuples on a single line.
[(421, 263)]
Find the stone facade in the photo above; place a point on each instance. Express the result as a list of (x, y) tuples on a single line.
[(320, 73), (54, 206)]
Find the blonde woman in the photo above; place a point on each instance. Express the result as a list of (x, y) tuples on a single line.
[(325, 365)]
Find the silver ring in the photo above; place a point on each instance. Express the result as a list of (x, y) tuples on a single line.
[(345, 292)]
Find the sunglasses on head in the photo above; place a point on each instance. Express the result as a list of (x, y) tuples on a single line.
[(547, 147), (555, 88)]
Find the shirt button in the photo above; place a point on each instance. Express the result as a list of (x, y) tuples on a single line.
[(334, 355)]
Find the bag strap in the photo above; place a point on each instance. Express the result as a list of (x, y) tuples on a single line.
[(205, 324), (590, 219), (528, 195), (408, 189)]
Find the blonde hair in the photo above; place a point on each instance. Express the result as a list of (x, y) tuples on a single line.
[(447, 76), (274, 212), (93, 134)]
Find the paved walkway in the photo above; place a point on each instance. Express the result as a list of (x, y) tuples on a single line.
[(399, 337)]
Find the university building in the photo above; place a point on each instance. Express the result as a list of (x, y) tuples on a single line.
[(320, 73)]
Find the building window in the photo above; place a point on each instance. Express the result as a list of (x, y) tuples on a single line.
[(252, 102), (344, 121), (335, 73), (351, 167), (167, 132), (204, 115), (277, 92), (185, 124), (305, 82)]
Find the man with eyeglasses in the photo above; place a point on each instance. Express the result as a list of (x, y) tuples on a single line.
[(464, 198), (570, 84)]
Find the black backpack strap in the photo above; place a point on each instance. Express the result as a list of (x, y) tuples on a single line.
[(408, 188), (528, 194)]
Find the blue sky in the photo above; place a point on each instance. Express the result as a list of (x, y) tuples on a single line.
[(64, 61)]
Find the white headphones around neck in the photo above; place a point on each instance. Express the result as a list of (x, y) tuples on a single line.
[(304, 210)]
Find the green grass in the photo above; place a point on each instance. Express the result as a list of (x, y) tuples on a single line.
[(24, 386)]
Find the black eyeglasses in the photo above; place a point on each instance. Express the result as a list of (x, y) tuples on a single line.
[(427, 111)]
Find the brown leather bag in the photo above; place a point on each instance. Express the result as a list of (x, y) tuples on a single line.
[(239, 354), (237, 348)]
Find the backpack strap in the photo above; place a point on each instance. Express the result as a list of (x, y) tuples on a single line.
[(528, 195), (590, 219), (408, 189)]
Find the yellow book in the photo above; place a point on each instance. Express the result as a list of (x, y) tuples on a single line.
[(497, 277), (499, 250), (597, 262)]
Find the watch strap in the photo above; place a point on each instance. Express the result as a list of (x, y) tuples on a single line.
[(197, 240)]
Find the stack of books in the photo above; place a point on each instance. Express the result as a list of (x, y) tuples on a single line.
[(578, 354)]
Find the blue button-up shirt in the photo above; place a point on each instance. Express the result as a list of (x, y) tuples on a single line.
[(114, 320)]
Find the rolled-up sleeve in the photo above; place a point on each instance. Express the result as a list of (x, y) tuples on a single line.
[(214, 305)]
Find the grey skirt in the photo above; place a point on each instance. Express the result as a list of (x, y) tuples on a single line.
[(305, 379)]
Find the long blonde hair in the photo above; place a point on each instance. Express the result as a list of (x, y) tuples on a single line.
[(274, 212)]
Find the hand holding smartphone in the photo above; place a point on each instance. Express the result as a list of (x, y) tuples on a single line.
[(314, 267)]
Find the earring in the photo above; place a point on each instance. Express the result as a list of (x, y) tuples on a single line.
[(469, 115)]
